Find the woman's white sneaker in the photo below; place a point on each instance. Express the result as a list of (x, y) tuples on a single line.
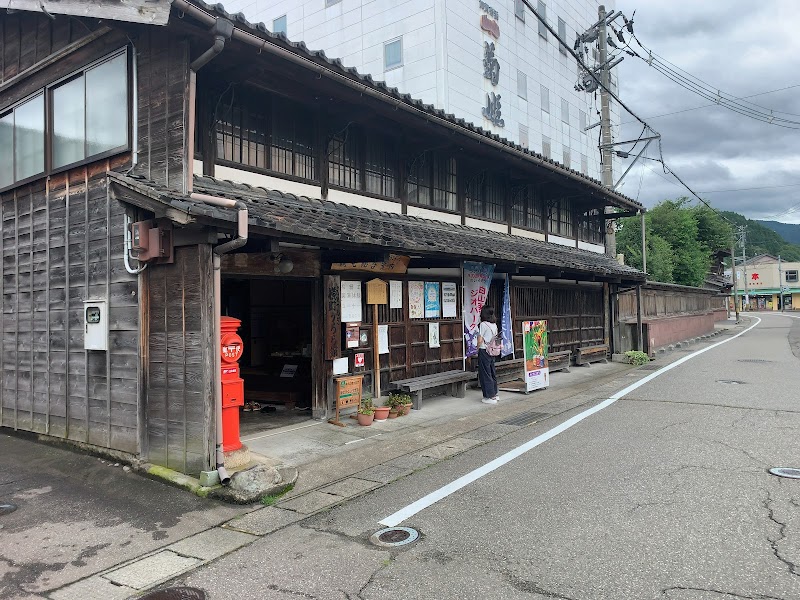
[(489, 400)]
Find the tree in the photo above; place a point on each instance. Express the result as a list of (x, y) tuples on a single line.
[(659, 252)]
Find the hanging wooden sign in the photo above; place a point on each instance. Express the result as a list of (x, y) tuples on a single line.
[(395, 263), (332, 302)]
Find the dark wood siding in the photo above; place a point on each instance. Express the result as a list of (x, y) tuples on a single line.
[(163, 81), (62, 243), (179, 408), (27, 38), (574, 314)]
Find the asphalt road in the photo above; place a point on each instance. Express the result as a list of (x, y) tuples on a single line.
[(662, 495)]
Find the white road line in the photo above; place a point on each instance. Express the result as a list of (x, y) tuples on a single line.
[(412, 509)]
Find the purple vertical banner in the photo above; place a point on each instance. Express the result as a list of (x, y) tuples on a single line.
[(477, 279), (508, 331)]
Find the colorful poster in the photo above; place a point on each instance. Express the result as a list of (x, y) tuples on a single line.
[(477, 279), (383, 339), (416, 303), (432, 306), (351, 301), (395, 294), (359, 360), (534, 340), (507, 323), (433, 335), (449, 299)]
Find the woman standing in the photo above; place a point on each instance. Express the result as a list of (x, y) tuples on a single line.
[(487, 332)]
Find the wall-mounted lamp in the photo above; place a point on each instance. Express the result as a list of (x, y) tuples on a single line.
[(283, 264)]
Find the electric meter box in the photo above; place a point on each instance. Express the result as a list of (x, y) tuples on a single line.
[(95, 321)]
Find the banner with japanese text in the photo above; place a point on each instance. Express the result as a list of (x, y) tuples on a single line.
[(507, 323), (477, 279)]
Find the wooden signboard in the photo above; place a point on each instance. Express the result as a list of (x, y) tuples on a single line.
[(377, 292), (395, 263), (332, 302), (348, 393)]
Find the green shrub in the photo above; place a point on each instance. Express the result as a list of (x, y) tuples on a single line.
[(637, 358)]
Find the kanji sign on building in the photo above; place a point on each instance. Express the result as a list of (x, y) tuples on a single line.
[(754, 276)]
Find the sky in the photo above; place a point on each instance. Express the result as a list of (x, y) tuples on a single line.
[(741, 48)]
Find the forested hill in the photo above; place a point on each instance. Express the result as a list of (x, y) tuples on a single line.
[(763, 240), (788, 231)]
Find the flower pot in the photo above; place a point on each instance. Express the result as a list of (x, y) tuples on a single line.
[(382, 413), (365, 419), (406, 409), (393, 414)]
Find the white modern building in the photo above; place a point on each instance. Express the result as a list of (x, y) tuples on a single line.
[(461, 56)]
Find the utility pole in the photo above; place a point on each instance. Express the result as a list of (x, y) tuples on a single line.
[(733, 275), (743, 241), (607, 175), (780, 283)]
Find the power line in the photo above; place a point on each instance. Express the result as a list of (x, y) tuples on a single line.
[(765, 187)]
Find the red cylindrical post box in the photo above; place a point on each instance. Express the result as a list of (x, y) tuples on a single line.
[(231, 348)]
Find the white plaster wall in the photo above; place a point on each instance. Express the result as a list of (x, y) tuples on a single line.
[(554, 239), (600, 249), (416, 211), (534, 235), (266, 181), (486, 225), (364, 201)]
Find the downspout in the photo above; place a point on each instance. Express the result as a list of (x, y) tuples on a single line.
[(239, 241), (222, 30)]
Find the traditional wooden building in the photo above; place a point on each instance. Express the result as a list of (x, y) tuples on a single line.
[(182, 116)]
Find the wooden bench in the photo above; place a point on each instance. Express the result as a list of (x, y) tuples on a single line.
[(455, 380), (559, 361), (589, 354)]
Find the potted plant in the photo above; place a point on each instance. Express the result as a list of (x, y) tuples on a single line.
[(366, 413), (395, 408), (400, 403), (382, 412)]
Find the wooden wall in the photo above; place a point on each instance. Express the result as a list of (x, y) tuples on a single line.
[(28, 37), (163, 80), (179, 358), (574, 315), (62, 243), (666, 301)]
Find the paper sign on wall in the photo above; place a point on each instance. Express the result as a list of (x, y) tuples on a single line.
[(383, 339), (395, 294), (432, 306), (416, 303), (449, 299), (341, 365), (351, 301), (433, 335)]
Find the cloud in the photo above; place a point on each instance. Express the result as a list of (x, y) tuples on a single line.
[(744, 49)]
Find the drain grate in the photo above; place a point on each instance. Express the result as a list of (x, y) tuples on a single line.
[(392, 537), (6, 508), (649, 367), (786, 472), (526, 418), (175, 593), (731, 382), (755, 360)]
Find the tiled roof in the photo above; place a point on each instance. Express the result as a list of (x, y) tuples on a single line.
[(319, 57), (306, 219)]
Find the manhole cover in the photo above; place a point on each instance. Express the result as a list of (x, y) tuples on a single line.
[(730, 382), (394, 536), (7, 508), (755, 360), (786, 472), (175, 593)]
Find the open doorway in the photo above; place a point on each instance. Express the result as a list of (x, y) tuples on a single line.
[(276, 362)]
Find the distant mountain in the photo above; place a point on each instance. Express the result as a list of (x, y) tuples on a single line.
[(788, 231), (762, 239)]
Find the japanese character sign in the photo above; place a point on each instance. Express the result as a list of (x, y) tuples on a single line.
[(491, 67), (492, 109), (477, 279)]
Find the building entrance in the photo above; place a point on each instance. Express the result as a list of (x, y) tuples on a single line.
[(276, 362)]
